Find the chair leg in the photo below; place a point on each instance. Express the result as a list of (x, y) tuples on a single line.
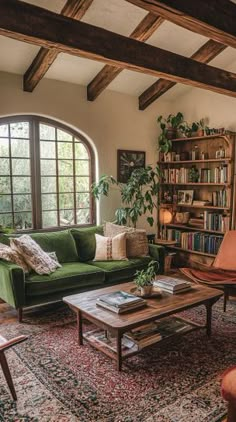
[(7, 375), (20, 314), (231, 417), (226, 297)]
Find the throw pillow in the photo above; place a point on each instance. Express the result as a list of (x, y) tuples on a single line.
[(110, 248), (86, 242), (35, 257), (136, 239), (8, 254)]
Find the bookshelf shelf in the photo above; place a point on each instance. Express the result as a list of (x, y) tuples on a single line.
[(179, 185)]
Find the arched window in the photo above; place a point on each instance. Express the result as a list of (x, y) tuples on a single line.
[(46, 170)]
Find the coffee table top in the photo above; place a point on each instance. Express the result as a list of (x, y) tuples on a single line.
[(156, 308)]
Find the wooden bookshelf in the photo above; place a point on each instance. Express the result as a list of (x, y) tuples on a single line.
[(215, 184)]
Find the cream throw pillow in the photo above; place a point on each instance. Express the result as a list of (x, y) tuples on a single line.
[(136, 239), (110, 248), (8, 254), (34, 255)]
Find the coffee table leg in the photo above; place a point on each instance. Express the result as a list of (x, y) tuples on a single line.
[(80, 328), (208, 318), (119, 353)]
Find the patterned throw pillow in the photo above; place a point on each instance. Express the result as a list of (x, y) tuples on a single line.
[(110, 248), (136, 239), (35, 257), (8, 254)]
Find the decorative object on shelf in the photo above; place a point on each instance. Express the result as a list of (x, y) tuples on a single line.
[(167, 197), (195, 153), (139, 196), (184, 156), (185, 197), (127, 162), (165, 217), (194, 174), (182, 217), (169, 127), (220, 153), (144, 278), (193, 129)]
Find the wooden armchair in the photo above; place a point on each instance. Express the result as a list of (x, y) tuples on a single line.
[(4, 345), (228, 391)]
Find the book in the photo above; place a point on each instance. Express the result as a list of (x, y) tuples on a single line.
[(175, 292), (171, 283), (121, 310), (101, 338), (120, 299)]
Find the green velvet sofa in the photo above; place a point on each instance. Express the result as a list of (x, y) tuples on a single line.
[(75, 249)]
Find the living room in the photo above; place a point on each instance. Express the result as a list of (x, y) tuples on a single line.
[(77, 103)]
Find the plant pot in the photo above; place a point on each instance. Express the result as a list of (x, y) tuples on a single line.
[(145, 290), (171, 133), (200, 132)]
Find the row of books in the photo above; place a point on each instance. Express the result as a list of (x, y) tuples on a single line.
[(206, 175), (220, 198), (120, 302), (216, 221), (195, 241)]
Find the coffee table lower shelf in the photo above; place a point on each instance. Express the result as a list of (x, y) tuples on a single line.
[(105, 342)]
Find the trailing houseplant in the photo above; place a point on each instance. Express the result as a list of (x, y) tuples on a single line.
[(169, 127), (139, 196), (144, 278)]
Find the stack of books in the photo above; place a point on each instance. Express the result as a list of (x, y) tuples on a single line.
[(120, 302), (172, 285)]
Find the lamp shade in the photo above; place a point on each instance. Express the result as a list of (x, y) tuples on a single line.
[(165, 216)]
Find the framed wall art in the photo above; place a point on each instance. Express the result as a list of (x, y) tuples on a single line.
[(127, 162)]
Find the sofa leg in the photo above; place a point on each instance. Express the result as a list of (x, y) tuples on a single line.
[(20, 314)]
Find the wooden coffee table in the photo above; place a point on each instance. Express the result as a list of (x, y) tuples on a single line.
[(84, 305)]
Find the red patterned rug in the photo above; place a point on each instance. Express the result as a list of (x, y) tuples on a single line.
[(58, 381)]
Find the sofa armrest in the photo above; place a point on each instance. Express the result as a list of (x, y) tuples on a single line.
[(157, 252), (12, 284)]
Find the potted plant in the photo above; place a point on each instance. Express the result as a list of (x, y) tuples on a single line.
[(201, 128), (144, 278), (169, 127)]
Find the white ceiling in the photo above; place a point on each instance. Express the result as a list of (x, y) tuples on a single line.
[(120, 18)]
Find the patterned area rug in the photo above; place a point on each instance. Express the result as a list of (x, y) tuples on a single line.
[(57, 381)]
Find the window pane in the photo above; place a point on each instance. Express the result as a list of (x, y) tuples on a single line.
[(64, 150), (66, 217), (4, 166), (5, 203), (23, 220), (47, 149), (82, 168), (63, 136), (4, 147), (83, 216), (19, 147), (82, 200), (4, 130), (66, 184), (80, 151), (48, 184), (47, 132), (48, 167), (20, 167), (21, 184), (6, 220), (82, 184), (49, 202), (65, 167), (49, 218), (19, 130), (22, 203), (66, 200), (5, 185)]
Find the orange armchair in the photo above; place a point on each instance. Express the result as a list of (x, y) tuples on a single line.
[(228, 391), (4, 345)]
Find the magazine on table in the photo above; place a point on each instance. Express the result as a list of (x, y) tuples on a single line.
[(123, 309), (120, 299)]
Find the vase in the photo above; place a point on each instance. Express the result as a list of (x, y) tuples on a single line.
[(145, 290)]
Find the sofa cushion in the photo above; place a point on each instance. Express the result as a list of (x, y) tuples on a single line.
[(69, 276), (61, 242), (121, 270), (110, 248), (85, 241), (136, 239)]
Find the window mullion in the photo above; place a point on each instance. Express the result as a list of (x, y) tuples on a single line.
[(35, 172)]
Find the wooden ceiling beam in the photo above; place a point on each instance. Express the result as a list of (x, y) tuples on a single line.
[(214, 19), (108, 73), (205, 54), (51, 30), (44, 59)]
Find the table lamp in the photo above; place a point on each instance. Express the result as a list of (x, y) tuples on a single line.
[(165, 217)]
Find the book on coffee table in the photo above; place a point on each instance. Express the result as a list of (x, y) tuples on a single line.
[(172, 285), (120, 302)]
